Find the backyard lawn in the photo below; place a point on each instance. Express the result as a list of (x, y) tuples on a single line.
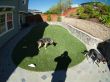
[(26, 51)]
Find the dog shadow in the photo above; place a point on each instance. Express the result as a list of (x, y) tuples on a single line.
[(63, 62)]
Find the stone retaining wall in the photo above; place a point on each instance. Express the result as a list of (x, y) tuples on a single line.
[(86, 38)]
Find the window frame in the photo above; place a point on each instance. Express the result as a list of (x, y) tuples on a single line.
[(6, 27), (9, 21), (4, 22), (24, 2)]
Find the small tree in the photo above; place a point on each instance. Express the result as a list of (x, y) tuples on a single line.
[(49, 17), (61, 6), (59, 19)]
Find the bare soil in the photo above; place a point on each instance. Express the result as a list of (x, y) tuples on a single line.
[(92, 27)]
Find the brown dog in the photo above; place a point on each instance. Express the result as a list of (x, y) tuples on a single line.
[(45, 42)]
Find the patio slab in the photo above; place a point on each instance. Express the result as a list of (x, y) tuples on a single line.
[(86, 71)]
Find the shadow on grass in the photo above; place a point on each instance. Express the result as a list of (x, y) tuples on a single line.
[(63, 62), (104, 48), (28, 46)]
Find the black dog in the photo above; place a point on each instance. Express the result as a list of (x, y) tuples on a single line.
[(95, 55)]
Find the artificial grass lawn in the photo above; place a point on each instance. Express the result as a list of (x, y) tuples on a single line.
[(26, 51)]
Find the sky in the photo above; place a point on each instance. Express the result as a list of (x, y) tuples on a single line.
[(44, 5)]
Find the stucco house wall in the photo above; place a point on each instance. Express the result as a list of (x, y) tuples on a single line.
[(23, 5), (15, 5)]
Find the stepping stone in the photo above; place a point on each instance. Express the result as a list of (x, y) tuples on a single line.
[(106, 79), (90, 72), (100, 81), (79, 72), (44, 77), (103, 71), (23, 80), (99, 71)]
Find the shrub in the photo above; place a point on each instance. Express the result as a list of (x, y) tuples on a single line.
[(49, 17), (108, 24), (88, 9), (80, 10), (104, 9), (91, 11), (73, 15), (97, 10), (105, 19), (83, 16), (95, 14), (59, 19)]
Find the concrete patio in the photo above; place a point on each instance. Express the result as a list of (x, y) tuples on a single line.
[(87, 71)]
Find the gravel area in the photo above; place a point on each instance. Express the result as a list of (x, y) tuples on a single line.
[(95, 29)]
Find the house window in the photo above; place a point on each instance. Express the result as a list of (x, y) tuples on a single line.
[(9, 21), (6, 22), (24, 2), (2, 23)]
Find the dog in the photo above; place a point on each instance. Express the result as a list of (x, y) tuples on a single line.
[(95, 55), (45, 42)]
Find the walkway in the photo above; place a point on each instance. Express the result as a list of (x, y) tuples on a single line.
[(84, 72), (6, 65)]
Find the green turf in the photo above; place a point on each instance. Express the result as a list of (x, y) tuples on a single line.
[(26, 51)]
